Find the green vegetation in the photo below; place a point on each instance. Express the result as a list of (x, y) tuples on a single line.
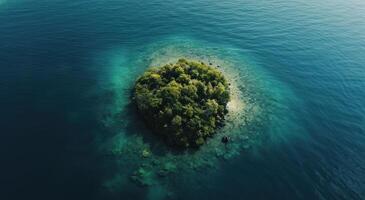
[(183, 102)]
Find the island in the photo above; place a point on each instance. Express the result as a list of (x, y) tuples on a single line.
[(185, 102)]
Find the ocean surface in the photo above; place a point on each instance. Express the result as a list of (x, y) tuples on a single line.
[(68, 129)]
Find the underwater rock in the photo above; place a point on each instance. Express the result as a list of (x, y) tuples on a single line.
[(168, 168), (155, 162), (143, 177), (146, 153)]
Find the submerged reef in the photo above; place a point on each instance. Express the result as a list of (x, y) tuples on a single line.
[(183, 102), (142, 161)]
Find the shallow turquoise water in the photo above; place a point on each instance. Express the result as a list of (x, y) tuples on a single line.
[(68, 130)]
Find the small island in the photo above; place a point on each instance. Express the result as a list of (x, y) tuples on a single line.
[(184, 102)]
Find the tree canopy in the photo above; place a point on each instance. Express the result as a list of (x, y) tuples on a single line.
[(183, 102)]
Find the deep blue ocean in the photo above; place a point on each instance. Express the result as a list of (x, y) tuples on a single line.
[(67, 66)]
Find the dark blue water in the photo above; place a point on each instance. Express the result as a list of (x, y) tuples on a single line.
[(59, 58)]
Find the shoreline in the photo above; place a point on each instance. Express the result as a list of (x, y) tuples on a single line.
[(147, 162)]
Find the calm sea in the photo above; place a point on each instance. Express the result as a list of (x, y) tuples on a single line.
[(60, 58)]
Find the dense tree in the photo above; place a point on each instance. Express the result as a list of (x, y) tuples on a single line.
[(184, 102)]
